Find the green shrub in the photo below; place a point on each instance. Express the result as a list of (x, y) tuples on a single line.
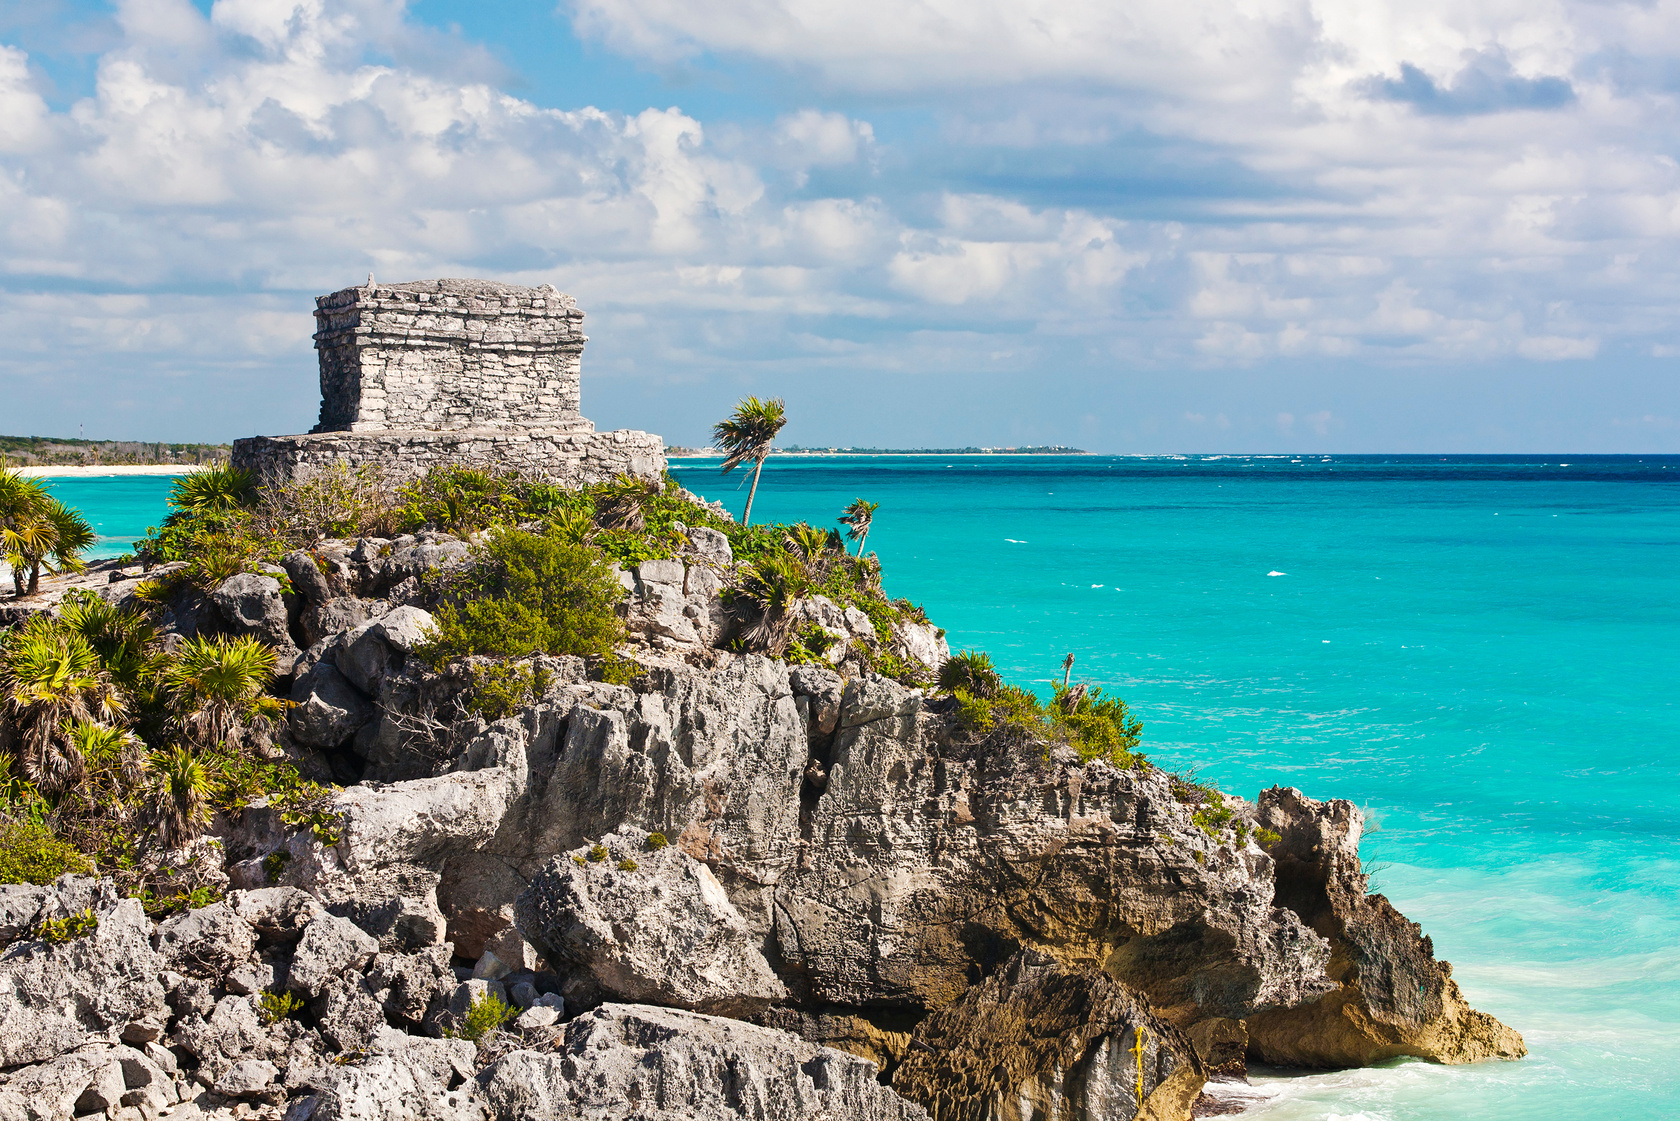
[(970, 672), (69, 928), (461, 499), (527, 594), (504, 688), (486, 1015), (1265, 838), (31, 854), (656, 841), (274, 865), (627, 865), (616, 670), (597, 853), (275, 1007), (1101, 729), (1212, 819)]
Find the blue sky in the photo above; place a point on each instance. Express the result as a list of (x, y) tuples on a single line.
[(1209, 225)]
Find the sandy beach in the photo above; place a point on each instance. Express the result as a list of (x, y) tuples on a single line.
[(144, 469)]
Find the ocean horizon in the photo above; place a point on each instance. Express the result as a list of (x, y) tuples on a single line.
[(1478, 650)]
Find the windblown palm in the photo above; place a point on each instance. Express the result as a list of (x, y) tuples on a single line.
[(774, 586), (857, 517), (50, 676), (123, 639), (37, 529), (215, 682), (748, 434), (214, 488), (179, 806)]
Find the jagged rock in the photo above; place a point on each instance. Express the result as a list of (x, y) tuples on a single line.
[(277, 914), (396, 903), (251, 604), (448, 1062), (57, 1090), (712, 759), (1044, 1042), (328, 709), (330, 946), (664, 933), (249, 1078), (384, 1087), (710, 545), (347, 1014), (377, 648), (307, 578), (682, 1066), (332, 617), (920, 642), (250, 980), (414, 561), (19, 904), (920, 865), (1392, 997), (206, 942), (417, 987), (232, 1031), (823, 689), (99, 987), (537, 1016), (147, 1082)]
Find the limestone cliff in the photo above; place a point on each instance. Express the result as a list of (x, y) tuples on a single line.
[(993, 934)]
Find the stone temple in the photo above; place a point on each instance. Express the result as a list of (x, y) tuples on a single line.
[(437, 371)]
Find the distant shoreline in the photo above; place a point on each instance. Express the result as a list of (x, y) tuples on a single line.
[(95, 470), (693, 453)]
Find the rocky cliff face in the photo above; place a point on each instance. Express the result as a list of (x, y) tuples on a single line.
[(638, 868)]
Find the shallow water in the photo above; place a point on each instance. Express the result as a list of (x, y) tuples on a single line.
[(1479, 650)]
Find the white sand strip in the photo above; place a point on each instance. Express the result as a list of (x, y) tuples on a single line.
[(147, 469)]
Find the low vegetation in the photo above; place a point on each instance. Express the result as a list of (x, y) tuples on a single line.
[(116, 753)]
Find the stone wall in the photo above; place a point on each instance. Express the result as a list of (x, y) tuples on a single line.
[(452, 371), (568, 458), (441, 355)]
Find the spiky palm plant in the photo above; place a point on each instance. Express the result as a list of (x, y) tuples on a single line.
[(214, 488), (179, 805), (37, 530), (857, 517), (970, 672), (114, 766), (573, 524), (773, 586), (809, 540), (50, 675), (19, 499), (213, 683), (618, 504), (122, 638), (749, 433)]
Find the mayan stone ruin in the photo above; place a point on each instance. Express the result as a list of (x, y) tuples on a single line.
[(437, 371)]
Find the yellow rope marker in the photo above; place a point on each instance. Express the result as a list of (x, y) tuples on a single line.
[(1138, 1047)]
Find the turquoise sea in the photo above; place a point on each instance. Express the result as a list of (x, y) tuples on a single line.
[(1484, 652)]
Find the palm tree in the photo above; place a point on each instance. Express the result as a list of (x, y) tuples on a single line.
[(748, 433), (858, 516), (180, 803), (773, 586), (214, 488), (50, 676), (37, 529), (215, 682)]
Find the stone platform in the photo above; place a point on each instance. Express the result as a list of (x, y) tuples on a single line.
[(573, 456)]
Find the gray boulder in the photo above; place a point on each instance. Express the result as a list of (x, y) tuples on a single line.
[(388, 1086), (416, 987), (330, 946), (376, 648), (307, 578), (328, 710), (251, 604), (711, 545), (100, 987), (88, 1081), (249, 1078), (334, 616), (206, 943), (278, 914), (681, 1066), (664, 933), (19, 904), (348, 1014)]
